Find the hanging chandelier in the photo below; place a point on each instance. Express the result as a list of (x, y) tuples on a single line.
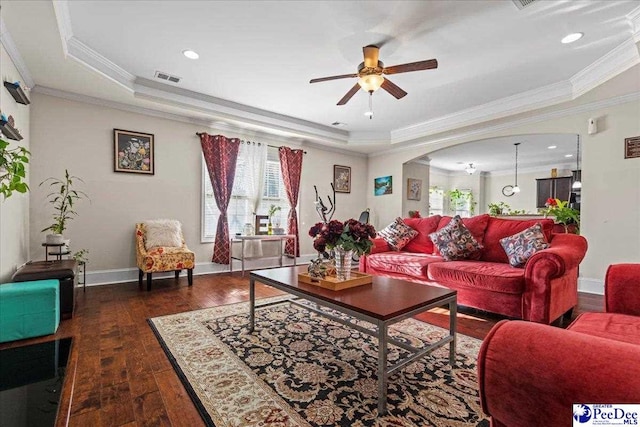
[(470, 169), (510, 190), (577, 184)]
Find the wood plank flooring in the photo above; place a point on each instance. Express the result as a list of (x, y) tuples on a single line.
[(122, 376)]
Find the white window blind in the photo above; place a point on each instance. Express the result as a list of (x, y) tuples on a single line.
[(436, 201), (240, 210)]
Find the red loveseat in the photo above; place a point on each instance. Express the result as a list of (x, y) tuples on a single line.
[(542, 291), (531, 375)]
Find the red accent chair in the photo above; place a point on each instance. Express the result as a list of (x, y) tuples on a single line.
[(531, 374)]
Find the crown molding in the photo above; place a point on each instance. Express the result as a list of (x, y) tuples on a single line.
[(536, 118), (634, 20), (12, 50), (616, 61), (532, 169), (100, 64), (216, 125), (63, 18), (515, 104)]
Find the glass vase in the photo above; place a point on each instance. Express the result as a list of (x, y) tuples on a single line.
[(343, 263)]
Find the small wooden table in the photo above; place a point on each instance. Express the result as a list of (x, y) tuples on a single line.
[(261, 238), (382, 303)]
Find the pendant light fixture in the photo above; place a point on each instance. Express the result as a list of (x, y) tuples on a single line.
[(516, 189), (577, 184), (470, 169)]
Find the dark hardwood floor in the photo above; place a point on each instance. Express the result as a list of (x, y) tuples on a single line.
[(118, 373)]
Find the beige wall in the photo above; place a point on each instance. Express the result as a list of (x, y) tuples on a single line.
[(14, 212), (79, 136), (611, 184)]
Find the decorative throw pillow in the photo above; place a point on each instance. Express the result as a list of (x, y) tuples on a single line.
[(162, 232), (521, 246), (454, 241), (397, 234)]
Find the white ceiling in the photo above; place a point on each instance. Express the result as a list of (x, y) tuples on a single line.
[(257, 57)]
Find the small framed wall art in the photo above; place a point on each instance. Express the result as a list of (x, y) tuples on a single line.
[(383, 185), (342, 178), (632, 147), (414, 189), (133, 152)]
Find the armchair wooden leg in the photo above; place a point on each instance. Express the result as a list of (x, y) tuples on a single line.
[(190, 276), (148, 282), (178, 273), (140, 274)]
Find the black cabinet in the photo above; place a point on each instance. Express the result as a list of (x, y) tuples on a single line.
[(555, 188)]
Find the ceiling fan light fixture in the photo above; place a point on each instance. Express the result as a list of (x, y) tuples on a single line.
[(371, 83)]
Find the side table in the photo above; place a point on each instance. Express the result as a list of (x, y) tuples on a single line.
[(261, 238)]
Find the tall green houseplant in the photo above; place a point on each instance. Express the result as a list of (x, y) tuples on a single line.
[(13, 169), (63, 199)]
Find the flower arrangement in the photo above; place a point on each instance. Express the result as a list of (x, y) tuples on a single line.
[(562, 213), (352, 235), (414, 214)]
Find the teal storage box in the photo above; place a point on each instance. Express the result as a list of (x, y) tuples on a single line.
[(29, 309)]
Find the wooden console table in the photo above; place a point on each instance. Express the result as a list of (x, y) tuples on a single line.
[(261, 238)]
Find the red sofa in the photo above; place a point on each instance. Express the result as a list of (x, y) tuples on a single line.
[(542, 291), (531, 375)]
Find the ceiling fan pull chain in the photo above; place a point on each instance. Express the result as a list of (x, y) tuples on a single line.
[(370, 105)]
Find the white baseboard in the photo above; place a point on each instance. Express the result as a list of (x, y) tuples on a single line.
[(121, 275), (591, 286)]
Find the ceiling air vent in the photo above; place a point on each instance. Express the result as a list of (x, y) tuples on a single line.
[(166, 76), (521, 4)]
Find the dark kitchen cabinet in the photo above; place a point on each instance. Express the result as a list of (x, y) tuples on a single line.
[(555, 188)]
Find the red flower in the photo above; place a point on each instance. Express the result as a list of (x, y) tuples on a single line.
[(551, 202)]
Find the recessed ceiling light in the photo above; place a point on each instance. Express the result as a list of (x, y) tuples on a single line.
[(190, 54), (568, 155), (552, 147), (572, 38)]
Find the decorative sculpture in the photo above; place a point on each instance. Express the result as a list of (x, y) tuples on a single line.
[(325, 213)]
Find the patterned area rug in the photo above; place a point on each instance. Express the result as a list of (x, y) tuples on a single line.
[(302, 369)]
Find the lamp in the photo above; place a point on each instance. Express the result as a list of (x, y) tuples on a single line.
[(470, 169), (371, 82), (577, 184), (516, 189)]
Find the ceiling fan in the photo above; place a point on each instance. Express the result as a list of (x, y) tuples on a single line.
[(370, 73)]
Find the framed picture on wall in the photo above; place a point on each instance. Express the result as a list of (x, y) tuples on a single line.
[(342, 178), (133, 152), (383, 185), (414, 189)]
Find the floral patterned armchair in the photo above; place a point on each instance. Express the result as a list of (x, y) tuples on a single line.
[(162, 258)]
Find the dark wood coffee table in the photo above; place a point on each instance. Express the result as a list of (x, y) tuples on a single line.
[(382, 303)]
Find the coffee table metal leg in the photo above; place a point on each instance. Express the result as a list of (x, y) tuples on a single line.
[(252, 303), (382, 368), (453, 311)]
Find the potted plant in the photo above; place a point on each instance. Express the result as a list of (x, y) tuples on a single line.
[(500, 208), (12, 169), (563, 214), (272, 211), (63, 200)]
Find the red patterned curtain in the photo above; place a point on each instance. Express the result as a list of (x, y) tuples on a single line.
[(220, 155), (291, 166)]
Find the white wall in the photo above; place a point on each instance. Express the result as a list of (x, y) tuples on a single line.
[(79, 136), (14, 212), (610, 218)]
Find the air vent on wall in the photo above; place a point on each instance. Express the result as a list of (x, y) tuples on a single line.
[(166, 76), (521, 4)]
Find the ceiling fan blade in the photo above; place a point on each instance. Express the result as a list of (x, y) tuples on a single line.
[(371, 56), (393, 89), (413, 66), (324, 79), (350, 94)]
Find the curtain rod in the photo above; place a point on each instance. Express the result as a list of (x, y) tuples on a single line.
[(268, 145)]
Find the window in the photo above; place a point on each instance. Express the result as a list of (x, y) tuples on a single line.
[(240, 212), (462, 204), (436, 201)]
